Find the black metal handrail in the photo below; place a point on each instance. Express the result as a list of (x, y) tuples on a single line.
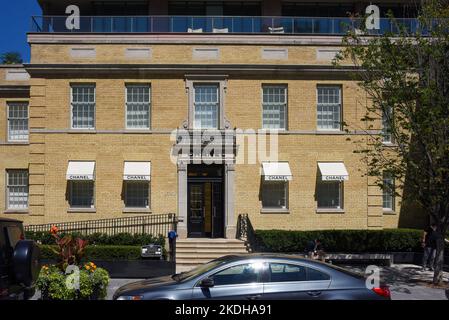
[(155, 225)]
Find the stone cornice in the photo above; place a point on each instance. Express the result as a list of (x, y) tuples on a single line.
[(239, 69), (183, 38)]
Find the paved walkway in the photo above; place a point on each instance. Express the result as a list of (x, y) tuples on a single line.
[(408, 282)]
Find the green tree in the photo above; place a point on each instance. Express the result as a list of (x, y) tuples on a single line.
[(11, 58), (406, 78)]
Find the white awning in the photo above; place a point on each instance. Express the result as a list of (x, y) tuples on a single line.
[(333, 171), (81, 170), (276, 171), (137, 171)]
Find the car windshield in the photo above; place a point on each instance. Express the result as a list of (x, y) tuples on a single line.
[(353, 273), (198, 270)]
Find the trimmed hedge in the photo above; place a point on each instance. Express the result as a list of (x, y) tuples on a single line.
[(354, 241), (98, 252), (120, 239)]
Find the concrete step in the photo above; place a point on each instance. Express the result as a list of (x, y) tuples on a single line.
[(211, 255), (211, 245), (211, 250)]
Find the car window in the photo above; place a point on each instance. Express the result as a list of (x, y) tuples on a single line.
[(282, 272), (239, 274), (315, 275), (14, 235)]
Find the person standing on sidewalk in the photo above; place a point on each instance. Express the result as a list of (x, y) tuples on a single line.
[(429, 245)]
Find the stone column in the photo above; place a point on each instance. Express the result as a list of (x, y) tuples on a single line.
[(182, 200), (230, 223)]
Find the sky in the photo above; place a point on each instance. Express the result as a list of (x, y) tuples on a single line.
[(15, 21)]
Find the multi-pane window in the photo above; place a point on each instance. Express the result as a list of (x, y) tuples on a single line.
[(83, 106), (18, 121), (274, 107), (81, 194), (138, 106), (329, 194), (206, 106), (17, 189), (329, 107), (388, 198), (387, 137), (136, 194), (274, 194)]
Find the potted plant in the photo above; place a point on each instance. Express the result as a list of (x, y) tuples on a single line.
[(69, 278)]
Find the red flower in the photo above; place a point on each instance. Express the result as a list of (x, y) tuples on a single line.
[(54, 230)]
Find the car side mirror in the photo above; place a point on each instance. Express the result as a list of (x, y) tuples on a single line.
[(207, 283)]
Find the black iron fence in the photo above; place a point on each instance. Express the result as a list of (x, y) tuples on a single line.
[(155, 225)]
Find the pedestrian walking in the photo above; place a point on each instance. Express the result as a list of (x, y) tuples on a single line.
[(429, 244)]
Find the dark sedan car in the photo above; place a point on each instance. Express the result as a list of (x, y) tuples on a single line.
[(256, 276)]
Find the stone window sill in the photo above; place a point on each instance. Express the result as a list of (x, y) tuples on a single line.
[(82, 131), (388, 212), (136, 210), (330, 210), (81, 210), (274, 210), (16, 211)]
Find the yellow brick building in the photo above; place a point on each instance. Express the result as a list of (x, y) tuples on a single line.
[(108, 104)]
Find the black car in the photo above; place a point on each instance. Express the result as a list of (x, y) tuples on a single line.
[(19, 262), (257, 276)]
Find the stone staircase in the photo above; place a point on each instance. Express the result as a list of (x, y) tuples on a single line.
[(192, 252)]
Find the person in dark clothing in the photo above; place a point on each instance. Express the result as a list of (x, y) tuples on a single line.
[(429, 244), (314, 249)]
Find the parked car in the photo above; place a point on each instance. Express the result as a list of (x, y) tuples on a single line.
[(257, 276), (19, 261)]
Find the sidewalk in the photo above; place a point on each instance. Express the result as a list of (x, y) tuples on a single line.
[(408, 282)]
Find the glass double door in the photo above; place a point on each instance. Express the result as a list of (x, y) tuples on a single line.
[(205, 209)]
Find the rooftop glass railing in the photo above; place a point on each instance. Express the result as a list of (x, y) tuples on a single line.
[(215, 24)]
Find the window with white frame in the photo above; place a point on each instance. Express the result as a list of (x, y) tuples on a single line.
[(388, 193), (17, 121), (137, 106), (387, 136), (274, 107), (17, 189), (137, 194), (329, 194), (206, 106), (81, 194), (275, 195), (329, 107), (83, 106)]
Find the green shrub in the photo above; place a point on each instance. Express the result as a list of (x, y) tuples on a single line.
[(52, 282), (97, 252), (120, 239), (393, 240)]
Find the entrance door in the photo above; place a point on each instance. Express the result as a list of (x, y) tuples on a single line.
[(196, 210), (205, 203)]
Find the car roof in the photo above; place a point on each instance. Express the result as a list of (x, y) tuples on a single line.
[(266, 255)]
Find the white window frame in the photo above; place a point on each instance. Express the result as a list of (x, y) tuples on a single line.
[(126, 185), (12, 103), (388, 193), (94, 105), (286, 189), (340, 90), (72, 182), (340, 193), (285, 105), (8, 191), (385, 128), (217, 103), (147, 86)]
